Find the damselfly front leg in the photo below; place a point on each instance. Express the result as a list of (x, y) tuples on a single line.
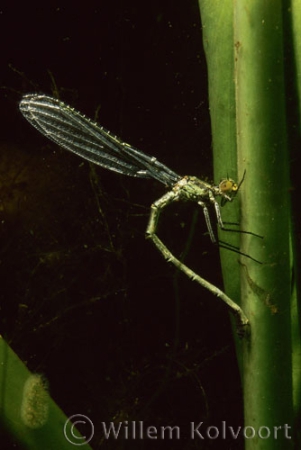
[(191, 188)]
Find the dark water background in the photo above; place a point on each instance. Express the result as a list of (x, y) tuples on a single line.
[(85, 299)]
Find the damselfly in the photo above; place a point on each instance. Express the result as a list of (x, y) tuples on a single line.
[(73, 131)]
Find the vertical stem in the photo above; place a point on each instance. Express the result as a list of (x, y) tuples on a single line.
[(244, 47), (217, 25), (218, 43), (262, 150)]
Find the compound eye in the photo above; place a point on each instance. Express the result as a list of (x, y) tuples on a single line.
[(227, 186)]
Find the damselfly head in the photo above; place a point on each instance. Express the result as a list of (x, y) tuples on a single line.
[(227, 186), (227, 189)]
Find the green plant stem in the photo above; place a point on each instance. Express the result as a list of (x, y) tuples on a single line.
[(33, 424), (262, 149), (244, 47)]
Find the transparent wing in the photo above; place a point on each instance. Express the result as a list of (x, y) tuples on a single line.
[(73, 131)]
